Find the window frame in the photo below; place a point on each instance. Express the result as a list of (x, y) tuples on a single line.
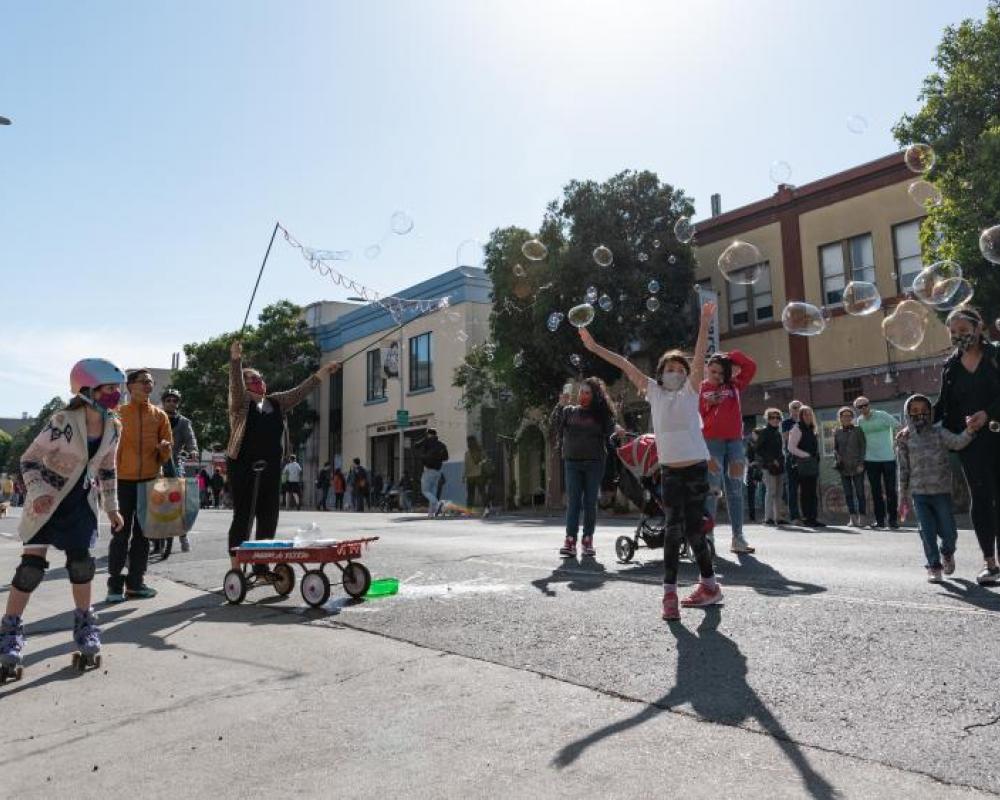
[(847, 262), (374, 379), (415, 364), (749, 296), (895, 252)]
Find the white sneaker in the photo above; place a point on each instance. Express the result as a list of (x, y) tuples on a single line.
[(185, 545), (934, 574), (948, 564)]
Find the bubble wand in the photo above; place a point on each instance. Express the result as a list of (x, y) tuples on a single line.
[(259, 275)]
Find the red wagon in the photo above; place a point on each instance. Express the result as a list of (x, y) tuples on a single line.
[(312, 559)]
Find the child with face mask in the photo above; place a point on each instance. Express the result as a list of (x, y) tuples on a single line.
[(925, 475)]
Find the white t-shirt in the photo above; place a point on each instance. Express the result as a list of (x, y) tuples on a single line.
[(293, 472), (676, 423)]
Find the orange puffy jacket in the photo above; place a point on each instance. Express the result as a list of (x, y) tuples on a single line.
[(144, 426)]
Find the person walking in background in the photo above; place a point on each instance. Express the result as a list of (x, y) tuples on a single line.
[(473, 470), (292, 476), (217, 483), (357, 480), (753, 475), (803, 444), (726, 377), (322, 486), (204, 494), (433, 455), (791, 474), (339, 484), (879, 428), (770, 456), (405, 492), (378, 486), (849, 461), (925, 476), (583, 431)]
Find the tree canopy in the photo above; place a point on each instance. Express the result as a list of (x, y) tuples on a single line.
[(960, 119), (24, 437)]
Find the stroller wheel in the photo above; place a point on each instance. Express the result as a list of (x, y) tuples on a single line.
[(624, 549)]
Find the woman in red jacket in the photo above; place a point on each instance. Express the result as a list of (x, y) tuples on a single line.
[(727, 375)]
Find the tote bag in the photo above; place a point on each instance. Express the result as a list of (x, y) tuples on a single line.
[(167, 507)]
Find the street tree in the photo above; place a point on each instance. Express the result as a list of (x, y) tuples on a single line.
[(5, 440), (25, 436)]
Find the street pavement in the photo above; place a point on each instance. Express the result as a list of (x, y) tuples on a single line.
[(832, 670)]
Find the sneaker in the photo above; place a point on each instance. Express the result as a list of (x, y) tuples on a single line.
[(814, 523), (671, 608), (934, 574), (740, 545), (702, 596), (782, 522), (185, 545), (894, 526), (114, 597), (990, 576), (144, 592), (877, 526), (588, 546), (948, 564), (568, 550)]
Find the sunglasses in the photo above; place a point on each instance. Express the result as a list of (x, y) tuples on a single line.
[(861, 405), (774, 416)]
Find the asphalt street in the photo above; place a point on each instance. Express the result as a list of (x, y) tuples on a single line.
[(830, 645)]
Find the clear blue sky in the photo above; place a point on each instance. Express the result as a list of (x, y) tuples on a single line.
[(155, 143)]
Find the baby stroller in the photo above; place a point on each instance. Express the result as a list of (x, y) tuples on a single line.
[(640, 483)]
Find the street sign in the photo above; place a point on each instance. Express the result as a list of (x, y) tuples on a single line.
[(402, 418)]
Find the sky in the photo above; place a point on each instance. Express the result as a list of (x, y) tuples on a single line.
[(154, 144)]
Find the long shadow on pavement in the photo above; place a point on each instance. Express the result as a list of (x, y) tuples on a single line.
[(712, 679), (972, 593), (579, 574)]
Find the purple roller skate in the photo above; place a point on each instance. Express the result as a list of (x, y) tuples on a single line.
[(11, 646), (87, 636)]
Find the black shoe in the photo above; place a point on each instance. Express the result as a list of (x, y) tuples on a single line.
[(814, 523), (769, 522), (782, 521), (894, 526)]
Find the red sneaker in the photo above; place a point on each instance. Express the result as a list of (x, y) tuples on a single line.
[(702, 596), (588, 546), (568, 550), (671, 608)]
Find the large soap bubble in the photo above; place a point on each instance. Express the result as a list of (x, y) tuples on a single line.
[(958, 291), (652, 303), (803, 319), (741, 262), (581, 316), (933, 284), (554, 321), (904, 329), (861, 298), (603, 256), (401, 223), (684, 230), (919, 157), (653, 286), (780, 172), (925, 194), (989, 244), (534, 250), (605, 302), (857, 124), (591, 294)]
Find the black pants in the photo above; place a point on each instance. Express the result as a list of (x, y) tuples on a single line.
[(128, 544), (338, 501), (877, 472), (981, 465), (684, 489), (808, 499), (241, 480)]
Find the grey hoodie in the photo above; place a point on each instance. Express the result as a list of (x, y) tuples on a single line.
[(924, 467)]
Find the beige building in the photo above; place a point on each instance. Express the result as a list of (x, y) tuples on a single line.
[(408, 367)]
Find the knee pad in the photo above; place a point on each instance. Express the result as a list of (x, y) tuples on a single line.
[(29, 573), (81, 566)]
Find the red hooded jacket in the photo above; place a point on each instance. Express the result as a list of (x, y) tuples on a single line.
[(719, 405)]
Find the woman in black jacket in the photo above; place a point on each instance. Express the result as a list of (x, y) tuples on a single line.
[(770, 456), (583, 432), (970, 397)]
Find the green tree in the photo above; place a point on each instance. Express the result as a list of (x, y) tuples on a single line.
[(24, 437), (960, 119), (280, 346), (5, 439)]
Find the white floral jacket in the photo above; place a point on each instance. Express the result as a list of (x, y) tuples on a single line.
[(52, 464)]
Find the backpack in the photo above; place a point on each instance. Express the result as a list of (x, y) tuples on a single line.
[(361, 479)]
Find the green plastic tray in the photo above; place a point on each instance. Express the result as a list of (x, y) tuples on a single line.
[(383, 587)]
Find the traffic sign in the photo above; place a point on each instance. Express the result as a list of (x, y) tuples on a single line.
[(402, 418)]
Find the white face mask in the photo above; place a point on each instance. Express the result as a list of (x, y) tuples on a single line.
[(672, 381)]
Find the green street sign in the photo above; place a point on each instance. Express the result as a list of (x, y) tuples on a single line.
[(402, 418)]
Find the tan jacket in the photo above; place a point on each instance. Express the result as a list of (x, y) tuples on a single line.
[(239, 403), (144, 426)]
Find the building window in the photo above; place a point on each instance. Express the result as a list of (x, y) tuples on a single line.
[(376, 381), (906, 247), (420, 362), (842, 262), (752, 303), (852, 390)]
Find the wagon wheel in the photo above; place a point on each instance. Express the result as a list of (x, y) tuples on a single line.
[(357, 579), (234, 586), (315, 588), (624, 549), (284, 579)]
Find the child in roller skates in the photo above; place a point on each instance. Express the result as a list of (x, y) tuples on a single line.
[(77, 445)]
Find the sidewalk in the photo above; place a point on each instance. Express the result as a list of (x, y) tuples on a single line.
[(200, 699)]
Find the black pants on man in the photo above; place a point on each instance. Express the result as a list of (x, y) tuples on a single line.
[(877, 471), (128, 544)]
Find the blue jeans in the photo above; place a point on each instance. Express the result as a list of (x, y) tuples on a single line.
[(937, 520), (583, 480), (429, 486), (854, 492), (727, 454)]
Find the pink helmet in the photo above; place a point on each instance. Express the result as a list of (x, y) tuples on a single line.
[(92, 372)]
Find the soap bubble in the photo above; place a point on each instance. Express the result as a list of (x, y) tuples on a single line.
[(653, 286), (603, 256), (780, 172), (519, 271), (575, 360), (857, 124), (554, 320), (652, 303), (861, 298), (741, 263), (656, 244), (534, 250), (989, 244), (591, 294), (581, 316), (958, 291), (605, 302), (933, 284), (803, 319), (919, 157), (373, 251), (924, 193), (471, 253), (994, 426), (643, 257), (401, 223), (904, 329), (519, 359), (672, 259), (684, 230), (913, 307)]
